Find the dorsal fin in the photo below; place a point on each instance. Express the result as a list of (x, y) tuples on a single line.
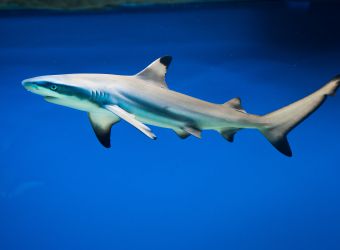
[(235, 103), (155, 72)]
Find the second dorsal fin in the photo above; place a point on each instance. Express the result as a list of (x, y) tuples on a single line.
[(155, 72), (235, 103)]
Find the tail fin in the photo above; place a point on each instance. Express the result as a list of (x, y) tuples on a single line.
[(283, 120)]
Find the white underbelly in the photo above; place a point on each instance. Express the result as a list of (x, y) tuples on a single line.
[(74, 103)]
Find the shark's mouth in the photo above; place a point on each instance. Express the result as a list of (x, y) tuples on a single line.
[(48, 98), (52, 99), (59, 101)]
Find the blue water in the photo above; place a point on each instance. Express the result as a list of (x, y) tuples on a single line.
[(60, 189)]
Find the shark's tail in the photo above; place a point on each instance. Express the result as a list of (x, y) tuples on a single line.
[(282, 121)]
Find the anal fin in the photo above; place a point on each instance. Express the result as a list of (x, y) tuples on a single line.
[(229, 133)]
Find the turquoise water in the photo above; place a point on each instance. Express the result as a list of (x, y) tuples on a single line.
[(60, 189)]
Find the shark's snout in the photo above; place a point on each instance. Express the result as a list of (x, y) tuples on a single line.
[(29, 85)]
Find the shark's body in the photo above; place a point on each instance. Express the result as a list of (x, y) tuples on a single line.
[(144, 98)]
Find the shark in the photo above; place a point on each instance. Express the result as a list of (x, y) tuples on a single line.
[(145, 99)]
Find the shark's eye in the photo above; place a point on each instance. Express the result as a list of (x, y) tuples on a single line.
[(53, 87)]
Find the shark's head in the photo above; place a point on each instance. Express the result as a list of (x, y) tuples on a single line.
[(45, 87), (58, 89)]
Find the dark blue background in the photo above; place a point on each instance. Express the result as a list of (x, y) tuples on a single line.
[(60, 189)]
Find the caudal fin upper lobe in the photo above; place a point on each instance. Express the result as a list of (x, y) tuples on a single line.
[(283, 120)]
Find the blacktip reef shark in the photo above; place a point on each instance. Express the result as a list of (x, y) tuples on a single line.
[(145, 99)]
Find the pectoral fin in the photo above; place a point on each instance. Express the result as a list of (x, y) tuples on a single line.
[(101, 124), (130, 118)]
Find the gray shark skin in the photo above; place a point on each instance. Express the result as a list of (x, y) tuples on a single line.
[(145, 99)]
